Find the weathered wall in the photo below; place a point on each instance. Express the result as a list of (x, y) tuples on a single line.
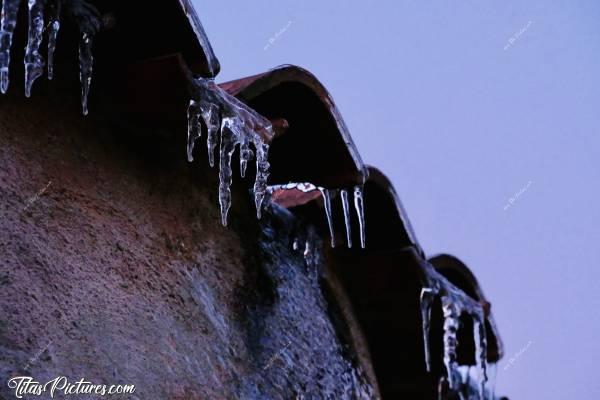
[(114, 268)]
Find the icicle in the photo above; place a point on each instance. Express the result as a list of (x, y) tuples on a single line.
[(194, 131), (262, 174), (53, 28), (346, 207), (479, 335), (86, 63), (360, 212), (491, 381), (225, 176), (442, 390), (427, 297), (451, 326), (88, 19), (326, 194), (465, 376), (239, 125), (312, 252), (210, 114), (328, 213), (34, 63), (8, 21), (245, 155), (467, 390), (454, 303), (307, 253), (308, 243)]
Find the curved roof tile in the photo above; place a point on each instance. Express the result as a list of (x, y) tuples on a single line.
[(385, 214), (462, 277), (140, 33), (317, 146)]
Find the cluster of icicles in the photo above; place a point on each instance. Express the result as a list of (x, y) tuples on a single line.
[(328, 195), (34, 61), (454, 303), (233, 124)]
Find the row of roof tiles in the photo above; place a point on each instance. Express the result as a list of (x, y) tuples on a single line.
[(312, 142)]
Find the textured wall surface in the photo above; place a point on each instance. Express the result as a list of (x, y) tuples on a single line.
[(114, 268)]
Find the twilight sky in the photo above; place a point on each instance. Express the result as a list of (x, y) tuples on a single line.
[(466, 104)]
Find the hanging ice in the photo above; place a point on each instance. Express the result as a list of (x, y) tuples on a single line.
[(228, 142), (262, 174), (53, 28), (346, 208), (212, 126), (88, 20), (194, 127), (307, 187), (245, 155), (427, 297), (480, 350), (451, 325), (360, 212), (239, 125), (312, 249), (328, 213), (34, 63), (8, 22), (85, 15), (327, 195), (468, 388), (86, 63), (209, 114), (490, 385), (308, 242), (454, 303), (308, 252)]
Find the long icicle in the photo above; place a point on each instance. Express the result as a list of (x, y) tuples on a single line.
[(194, 128), (225, 175), (479, 335), (34, 63), (451, 326), (86, 64), (53, 28), (454, 303), (427, 297), (360, 212), (210, 115), (491, 370), (328, 213), (237, 124), (346, 208), (8, 22), (245, 154), (262, 173)]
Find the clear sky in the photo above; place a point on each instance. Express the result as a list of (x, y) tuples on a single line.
[(466, 104)]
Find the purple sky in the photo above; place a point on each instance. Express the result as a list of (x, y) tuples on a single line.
[(462, 118)]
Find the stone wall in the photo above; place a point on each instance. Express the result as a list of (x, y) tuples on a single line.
[(114, 268)]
